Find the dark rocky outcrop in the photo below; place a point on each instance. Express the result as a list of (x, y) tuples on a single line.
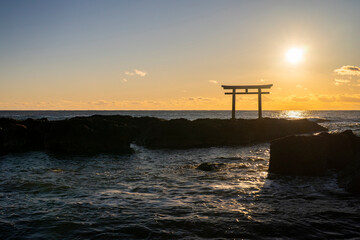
[(210, 166), (182, 133), (14, 137), (314, 155), (20, 136), (298, 155), (113, 134), (87, 137), (37, 130), (349, 178)]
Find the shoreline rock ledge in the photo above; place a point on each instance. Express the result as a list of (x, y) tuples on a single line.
[(114, 133), (182, 133), (316, 154)]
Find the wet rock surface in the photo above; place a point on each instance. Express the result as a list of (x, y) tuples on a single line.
[(14, 138), (314, 155), (182, 133), (210, 166), (349, 178), (87, 137), (113, 134)]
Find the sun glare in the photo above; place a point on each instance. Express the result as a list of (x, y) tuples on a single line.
[(295, 55), (293, 114)]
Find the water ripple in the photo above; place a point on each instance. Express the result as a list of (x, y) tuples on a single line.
[(160, 194)]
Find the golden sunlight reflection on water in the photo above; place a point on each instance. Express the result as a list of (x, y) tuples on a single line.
[(294, 114), (249, 187)]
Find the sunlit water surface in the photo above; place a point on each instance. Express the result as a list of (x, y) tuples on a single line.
[(154, 194)]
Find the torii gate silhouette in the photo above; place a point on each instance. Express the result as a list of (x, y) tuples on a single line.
[(246, 87)]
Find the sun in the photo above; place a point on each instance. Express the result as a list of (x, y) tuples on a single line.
[(295, 55)]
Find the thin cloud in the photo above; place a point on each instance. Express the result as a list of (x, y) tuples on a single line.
[(22, 103), (300, 99), (140, 73), (350, 98), (136, 72), (213, 81), (103, 102), (348, 70), (340, 81), (301, 87), (326, 98), (200, 99), (124, 80)]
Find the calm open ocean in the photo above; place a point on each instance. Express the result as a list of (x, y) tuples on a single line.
[(159, 194)]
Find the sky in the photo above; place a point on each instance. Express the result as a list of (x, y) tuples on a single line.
[(175, 55)]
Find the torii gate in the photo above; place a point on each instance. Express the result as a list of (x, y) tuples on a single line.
[(246, 87)]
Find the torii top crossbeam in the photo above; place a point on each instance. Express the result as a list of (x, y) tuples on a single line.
[(246, 88)]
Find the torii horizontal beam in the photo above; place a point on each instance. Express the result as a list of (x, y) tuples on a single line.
[(228, 93), (246, 87)]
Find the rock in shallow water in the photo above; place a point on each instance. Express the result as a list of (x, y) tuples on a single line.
[(182, 133), (314, 155), (14, 137), (87, 137), (349, 178), (104, 134), (210, 166), (298, 155)]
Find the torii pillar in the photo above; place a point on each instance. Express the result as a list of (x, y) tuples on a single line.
[(246, 88)]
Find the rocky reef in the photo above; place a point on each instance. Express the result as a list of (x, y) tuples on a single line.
[(114, 134), (315, 155), (182, 133)]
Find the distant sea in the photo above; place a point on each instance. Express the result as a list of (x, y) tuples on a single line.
[(159, 194)]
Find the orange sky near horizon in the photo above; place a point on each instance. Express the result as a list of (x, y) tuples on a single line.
[(137, 55)]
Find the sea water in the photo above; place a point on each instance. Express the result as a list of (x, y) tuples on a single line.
[(159, 194)]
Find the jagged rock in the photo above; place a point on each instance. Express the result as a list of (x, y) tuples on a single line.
[(37, 131), (182, 133), (341, 149), (298, 155), (210, 166), (312, 155), (14, 137), (7, 121), (349, 178), (97, 134), (90, 136)]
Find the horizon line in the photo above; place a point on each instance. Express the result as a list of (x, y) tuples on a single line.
[(107, 110)]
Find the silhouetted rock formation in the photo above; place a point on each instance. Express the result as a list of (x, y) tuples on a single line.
[(349, 178), (182, 133), (14, 138), (87, 136), (314, 155), (210, 166), (113, 134)]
